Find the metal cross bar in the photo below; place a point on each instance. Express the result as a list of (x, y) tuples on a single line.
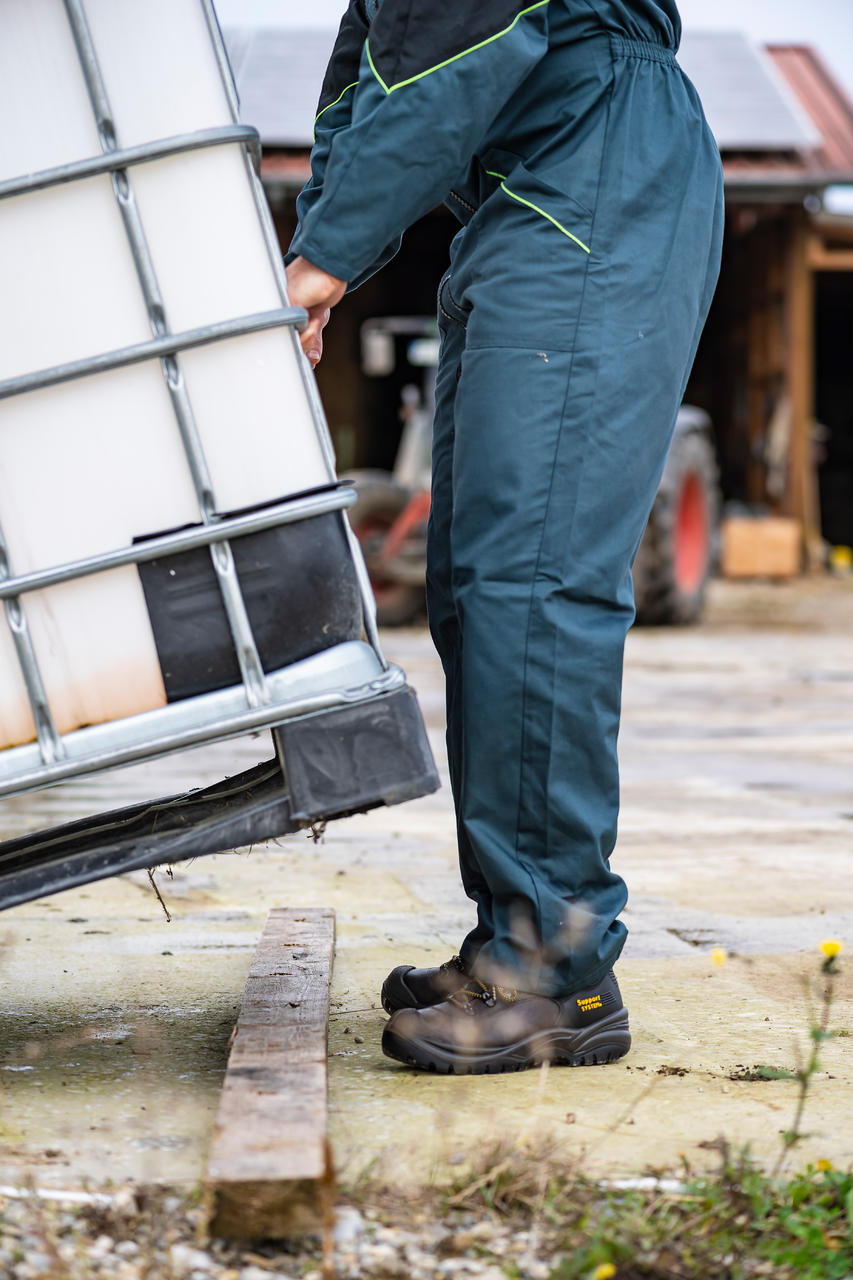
[(126, 157), (167, 345), (182, 540), (189, 723)]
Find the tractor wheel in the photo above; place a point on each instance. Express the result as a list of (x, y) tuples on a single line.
[(380, 501), (676, 556)]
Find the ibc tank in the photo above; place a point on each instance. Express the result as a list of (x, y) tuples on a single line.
[(150, 376)]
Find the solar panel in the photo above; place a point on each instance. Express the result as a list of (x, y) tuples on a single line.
[(748, 105), (279, 73)]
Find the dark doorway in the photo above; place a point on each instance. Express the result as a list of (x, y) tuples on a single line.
[(834, 403)]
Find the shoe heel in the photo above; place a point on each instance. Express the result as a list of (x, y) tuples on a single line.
[(604, 1041)]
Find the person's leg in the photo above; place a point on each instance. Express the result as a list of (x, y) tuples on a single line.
[(441, 608), (541, 578), (550, 497), (583, 326)]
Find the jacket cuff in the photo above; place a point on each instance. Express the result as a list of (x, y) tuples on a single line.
[(303, 246)]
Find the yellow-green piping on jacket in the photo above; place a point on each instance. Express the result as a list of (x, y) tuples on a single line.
[(329, 105), (464, 54), (536, 209)]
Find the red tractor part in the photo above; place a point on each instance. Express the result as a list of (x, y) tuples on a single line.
[(676, 556), (389, 522)]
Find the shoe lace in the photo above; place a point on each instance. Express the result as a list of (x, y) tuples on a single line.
[(455, 962), (466, 997)]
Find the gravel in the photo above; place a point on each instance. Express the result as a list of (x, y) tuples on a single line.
[(143, 1235)]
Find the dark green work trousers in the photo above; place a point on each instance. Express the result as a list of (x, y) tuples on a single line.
[(569, 320)]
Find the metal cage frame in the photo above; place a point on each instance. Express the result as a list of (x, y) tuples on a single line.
[(342, 676)]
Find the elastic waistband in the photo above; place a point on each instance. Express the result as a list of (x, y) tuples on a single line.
[(623, 48)]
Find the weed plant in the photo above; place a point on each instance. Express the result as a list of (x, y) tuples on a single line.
[(735, 1224)]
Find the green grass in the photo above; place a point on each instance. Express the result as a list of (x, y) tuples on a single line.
[(799, 1229), (732, 1225)]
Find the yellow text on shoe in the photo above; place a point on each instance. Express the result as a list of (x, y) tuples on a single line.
[(588, 1003)]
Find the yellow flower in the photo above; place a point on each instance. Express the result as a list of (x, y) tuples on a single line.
[(603, 1271), (831, 947), (719, 956), (825, 1166)]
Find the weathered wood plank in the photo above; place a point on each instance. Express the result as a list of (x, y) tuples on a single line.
[(268, 1171)]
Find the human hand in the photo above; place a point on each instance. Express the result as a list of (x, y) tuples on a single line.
[(315, 290)]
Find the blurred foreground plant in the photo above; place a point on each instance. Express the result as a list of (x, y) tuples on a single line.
[(737, 1223), (819, 1033)]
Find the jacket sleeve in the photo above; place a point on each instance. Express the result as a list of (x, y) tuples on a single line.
[(334, 114), (431, 79)]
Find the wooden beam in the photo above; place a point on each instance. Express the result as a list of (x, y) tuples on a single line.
[(802, 498), (823, 259), (269, 1175)]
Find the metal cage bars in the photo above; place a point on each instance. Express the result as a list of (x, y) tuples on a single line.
[(126, 157), (310, 385), (221, 555), (165, 346)]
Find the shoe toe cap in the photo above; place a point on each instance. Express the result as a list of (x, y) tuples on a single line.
[(395, 993), (404, 1023)]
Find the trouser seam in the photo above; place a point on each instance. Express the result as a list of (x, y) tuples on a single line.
[(522, 859), (470, 869)]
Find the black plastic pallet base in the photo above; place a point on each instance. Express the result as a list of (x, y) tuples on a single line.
[(343, 761), (354, 758)]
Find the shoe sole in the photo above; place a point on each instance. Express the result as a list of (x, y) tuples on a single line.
[(604, 1041)]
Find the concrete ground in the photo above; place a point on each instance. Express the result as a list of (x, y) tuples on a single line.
[(736, 832)]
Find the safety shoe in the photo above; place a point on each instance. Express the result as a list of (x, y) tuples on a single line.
[(409, 988), (484, 1028)]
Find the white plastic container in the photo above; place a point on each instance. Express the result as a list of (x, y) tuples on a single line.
[(89, 465)]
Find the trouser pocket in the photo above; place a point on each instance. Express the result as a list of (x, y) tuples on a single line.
[(448, 308)]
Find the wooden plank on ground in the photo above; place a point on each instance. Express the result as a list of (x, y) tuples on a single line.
[(268, 1173)]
